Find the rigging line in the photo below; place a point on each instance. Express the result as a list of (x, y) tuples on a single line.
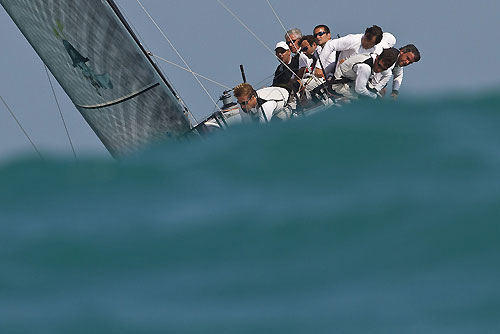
[(257, 37), (277, 17), (60, 112), (20, 126), (179, 55), (187, 70), (267, 78), (146, 47), (289, 37)]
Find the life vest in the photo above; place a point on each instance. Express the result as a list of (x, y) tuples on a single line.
[(345, 70), (276, 94)]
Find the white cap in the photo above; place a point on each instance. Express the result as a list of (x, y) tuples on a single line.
[(282, 45)]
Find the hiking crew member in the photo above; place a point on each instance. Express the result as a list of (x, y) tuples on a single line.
[(350, 45), (263, 104), (408, 55), (351, 77)]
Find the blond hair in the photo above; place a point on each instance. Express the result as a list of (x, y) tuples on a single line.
[(243, 89)]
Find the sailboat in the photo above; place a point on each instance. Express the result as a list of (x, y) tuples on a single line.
[(109, 76)]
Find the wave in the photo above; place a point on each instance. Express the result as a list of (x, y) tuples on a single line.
[(377, 217)]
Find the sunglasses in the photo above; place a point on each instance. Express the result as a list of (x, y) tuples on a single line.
[(244, 103), (291, 42), (321, 33)]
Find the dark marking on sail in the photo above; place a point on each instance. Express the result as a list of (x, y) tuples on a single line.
[(97, 80)]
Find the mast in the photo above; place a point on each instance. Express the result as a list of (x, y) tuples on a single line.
[(120, 16)]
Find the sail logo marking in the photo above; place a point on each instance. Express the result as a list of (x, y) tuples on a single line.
[(98, 81)]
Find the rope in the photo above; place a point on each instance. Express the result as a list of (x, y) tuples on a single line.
[(143, 42), (256, 37), (179, 55), (187, 70), (20, 126), (60, 112), (267, 78), (277, 17)]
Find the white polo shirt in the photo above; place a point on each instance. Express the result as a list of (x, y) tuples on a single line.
[(304, 61), (351, 44), (328, 59), (380, 80), (388, 41)]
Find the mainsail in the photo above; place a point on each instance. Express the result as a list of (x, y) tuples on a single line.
[(98, 61)]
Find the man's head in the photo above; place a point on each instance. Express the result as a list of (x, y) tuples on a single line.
[(372, 37), (308, 45), (385, 60), (322, 34), (408, 54), (246, 96), (283, 52), (292, 38)]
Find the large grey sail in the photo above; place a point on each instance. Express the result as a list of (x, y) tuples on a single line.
[(96, 59)]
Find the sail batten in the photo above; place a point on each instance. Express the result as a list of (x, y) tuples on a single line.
[(102, 67), (120, 100)]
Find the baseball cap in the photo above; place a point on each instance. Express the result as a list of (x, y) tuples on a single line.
[(282, 45)]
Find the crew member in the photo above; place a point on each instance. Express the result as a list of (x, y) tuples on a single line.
[(322, 35), (408, 55), (292, 38), (350, 45), (283, 77), (263, 104), (351, 77), (306, 67), (308, 47)]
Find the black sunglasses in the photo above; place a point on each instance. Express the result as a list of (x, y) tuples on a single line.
[(244, 103), (321, 33), (291, 42)]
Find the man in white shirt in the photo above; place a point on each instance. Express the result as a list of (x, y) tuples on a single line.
[(308, 48), (322, 35), (352, 76), (348, 46), (263, 104), (408, 55), (306, 67)]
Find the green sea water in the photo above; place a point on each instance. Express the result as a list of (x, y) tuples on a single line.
[(371, 218)]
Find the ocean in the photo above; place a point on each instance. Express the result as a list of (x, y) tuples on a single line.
[(371, 218)]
